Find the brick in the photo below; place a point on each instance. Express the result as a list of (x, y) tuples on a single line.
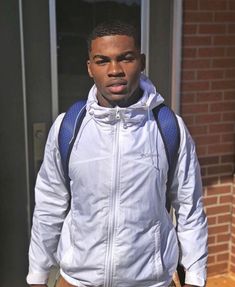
[(222, 257), (207, 140), (189, 120), (226, 179), (218, 210), (189, 29), (233, 249), (197, 40), (188, 98), (224, 219), (210, 52), (223, 63), (218, 248), (223, 237), (231, 4), (190, 5), (229, 95), (231, 28), (230, 52), (209, 96), (224, 40), (227, 158), (210, 180), (222, 107), (219, 128), (198, 17), (232, 229), (228, 138), (221, 149), (211, 221), (201, 150), (211, 240), (223, 84), (208, 118), (212, 29), (210, 74), (224, 16), (198, 130), (217, 190), (209, 160), (193, 109), (225, 199), (187, 76), (232, 269), (211, 259), (218, 268), (230, 73), (189, 52), (210, 201), (228, 116), (213, 5), (195, 86), (196, 64), (219, 169)]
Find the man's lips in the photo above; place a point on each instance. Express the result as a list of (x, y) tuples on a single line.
[(117, 87)]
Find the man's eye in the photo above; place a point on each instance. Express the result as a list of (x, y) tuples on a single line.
[(128, 59), (101, 62)]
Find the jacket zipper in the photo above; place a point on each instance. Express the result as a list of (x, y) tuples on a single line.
[(113, 209)]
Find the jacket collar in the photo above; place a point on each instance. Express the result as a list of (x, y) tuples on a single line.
[(129, 115)]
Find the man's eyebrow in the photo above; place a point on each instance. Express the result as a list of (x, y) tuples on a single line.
[(118, 56), (101, 57), (131, 53)]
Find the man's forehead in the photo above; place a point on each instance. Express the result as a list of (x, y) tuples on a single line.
[(113, 42)]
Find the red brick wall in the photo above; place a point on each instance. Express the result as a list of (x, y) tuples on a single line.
[(232, 259), (208, 108)]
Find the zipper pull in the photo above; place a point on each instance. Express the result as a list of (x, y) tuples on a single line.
[(118, 114)]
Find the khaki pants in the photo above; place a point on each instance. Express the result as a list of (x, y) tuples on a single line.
[(61, 282)]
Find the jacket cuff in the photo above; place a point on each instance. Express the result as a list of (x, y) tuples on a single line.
[(192, 278), (37, 278)]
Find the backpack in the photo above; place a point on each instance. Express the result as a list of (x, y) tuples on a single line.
[(168, 127)]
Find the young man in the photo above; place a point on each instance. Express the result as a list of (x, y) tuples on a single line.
[(118, 232)]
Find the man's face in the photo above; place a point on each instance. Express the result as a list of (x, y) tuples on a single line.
[(115, 65)]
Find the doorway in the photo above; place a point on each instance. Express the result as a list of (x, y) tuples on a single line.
[(159, 25), (75, 20)]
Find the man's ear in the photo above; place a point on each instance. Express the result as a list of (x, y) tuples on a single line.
[(143, 61), (89, 68)]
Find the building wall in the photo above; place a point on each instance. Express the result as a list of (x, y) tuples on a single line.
[(208, 108), (232, 261)]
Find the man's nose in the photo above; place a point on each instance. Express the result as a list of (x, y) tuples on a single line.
[(115, 69)]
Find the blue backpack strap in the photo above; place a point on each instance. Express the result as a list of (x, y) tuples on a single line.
[(170, 132), (69, 128), (169, 129)]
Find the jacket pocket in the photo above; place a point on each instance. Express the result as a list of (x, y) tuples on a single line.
[(158, 264)]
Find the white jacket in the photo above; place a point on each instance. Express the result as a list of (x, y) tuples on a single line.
[(118, 232)]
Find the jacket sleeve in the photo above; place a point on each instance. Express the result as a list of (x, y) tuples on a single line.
[(51, 203), (186, 196)]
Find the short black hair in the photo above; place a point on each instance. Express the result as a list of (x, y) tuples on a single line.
[(115, 27)]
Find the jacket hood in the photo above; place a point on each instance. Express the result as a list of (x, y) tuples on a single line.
[(134, 113)]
